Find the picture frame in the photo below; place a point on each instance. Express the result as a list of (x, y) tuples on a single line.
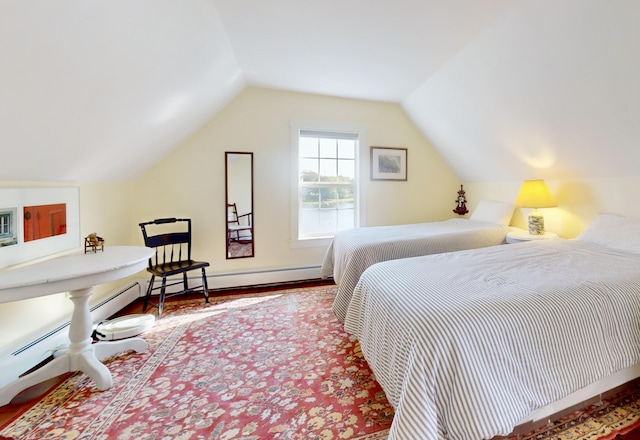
[(389, 163), (38, 222)]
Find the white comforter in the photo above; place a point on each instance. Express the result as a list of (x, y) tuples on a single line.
[(466, 344), (351, 252)]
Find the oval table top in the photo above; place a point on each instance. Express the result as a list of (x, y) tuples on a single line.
[(72, 272)]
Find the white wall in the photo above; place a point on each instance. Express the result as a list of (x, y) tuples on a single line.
[(190, 181), (579, 201), (104, 209)]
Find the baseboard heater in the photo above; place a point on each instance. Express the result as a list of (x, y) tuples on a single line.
[(40, 348), (250, 278)]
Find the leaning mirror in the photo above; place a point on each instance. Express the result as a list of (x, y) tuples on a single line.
[(239, 200)]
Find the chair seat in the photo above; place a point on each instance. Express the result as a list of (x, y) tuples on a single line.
[(176, 267)]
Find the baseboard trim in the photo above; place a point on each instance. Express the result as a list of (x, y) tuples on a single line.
[(249, 278), (273, 276)]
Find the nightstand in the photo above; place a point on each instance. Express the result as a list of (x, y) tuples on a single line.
[(523, 235)]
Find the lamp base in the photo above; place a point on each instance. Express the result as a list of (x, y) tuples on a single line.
[(536, 223)]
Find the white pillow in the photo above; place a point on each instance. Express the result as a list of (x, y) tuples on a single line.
[(614, 231), (493, 212)]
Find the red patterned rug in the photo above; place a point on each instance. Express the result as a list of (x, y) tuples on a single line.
[(259, 366), (272, 365)]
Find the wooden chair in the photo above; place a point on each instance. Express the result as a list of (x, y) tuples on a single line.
[(171, 240), (236, 224)]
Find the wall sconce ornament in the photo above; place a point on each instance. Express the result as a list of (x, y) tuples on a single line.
[(461, 208), (93, 243)]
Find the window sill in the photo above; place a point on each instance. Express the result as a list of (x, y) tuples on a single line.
[(311, 242)]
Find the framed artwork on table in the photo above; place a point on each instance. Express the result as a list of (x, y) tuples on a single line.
[(388, 163)]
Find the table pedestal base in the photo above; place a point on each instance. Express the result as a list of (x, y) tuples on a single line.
[(81, 355)]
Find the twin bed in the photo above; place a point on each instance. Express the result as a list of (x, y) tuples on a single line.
[(468, 345), (351, 252)]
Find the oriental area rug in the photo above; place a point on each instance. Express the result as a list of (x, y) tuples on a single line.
[(267, 365)]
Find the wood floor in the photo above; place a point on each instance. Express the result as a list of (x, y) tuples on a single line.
[(633, 435)]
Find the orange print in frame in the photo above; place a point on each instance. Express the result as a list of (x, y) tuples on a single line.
[(44, 221)]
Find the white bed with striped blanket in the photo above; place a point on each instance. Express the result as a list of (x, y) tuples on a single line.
[(466, 345), (351, 252)]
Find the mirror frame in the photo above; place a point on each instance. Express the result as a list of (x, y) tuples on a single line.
[(227, 155)]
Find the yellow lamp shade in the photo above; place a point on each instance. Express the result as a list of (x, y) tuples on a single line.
[(535, 194)]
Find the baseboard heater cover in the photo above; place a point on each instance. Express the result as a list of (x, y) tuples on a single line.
[(252, 278)]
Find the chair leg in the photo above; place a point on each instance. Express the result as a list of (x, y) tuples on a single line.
[(161, 299), (185, 283), (147, 297), (205, 287)]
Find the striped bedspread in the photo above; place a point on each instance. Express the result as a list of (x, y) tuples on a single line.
[(351, 252), (466, 344)]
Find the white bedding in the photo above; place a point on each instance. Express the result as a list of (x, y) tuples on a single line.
[(351, 252), (466, 344)]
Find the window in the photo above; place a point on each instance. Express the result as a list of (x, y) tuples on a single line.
[(326, 183), (5, 223), (8, 233)]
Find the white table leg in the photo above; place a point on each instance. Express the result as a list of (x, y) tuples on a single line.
[(52, 369), (79, 357), (60, 274), (81, 352)]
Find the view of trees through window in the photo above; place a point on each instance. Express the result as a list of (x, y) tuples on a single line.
[(327, 183)]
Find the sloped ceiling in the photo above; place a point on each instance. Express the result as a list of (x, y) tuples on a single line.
[(550, 90), (504, 89), (101, 90)]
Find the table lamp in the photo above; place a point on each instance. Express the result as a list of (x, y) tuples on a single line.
[(535, 194)]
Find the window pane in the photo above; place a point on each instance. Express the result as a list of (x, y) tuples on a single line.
[(328, 170), (346, 170), (345, 219), (345, 197), (327, 207), (309, 170), (320, 222), (308, 223), (328, 148), (308, 147), (310, 199), (328, 198), (346, 149)]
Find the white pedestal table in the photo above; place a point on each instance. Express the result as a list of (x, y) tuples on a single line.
[(77, 274)]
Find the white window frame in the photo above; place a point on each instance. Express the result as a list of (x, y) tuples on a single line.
[(6, 223), (296, 127)]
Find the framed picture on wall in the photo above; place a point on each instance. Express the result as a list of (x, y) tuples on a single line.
[(37, 222), (388, 163)]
